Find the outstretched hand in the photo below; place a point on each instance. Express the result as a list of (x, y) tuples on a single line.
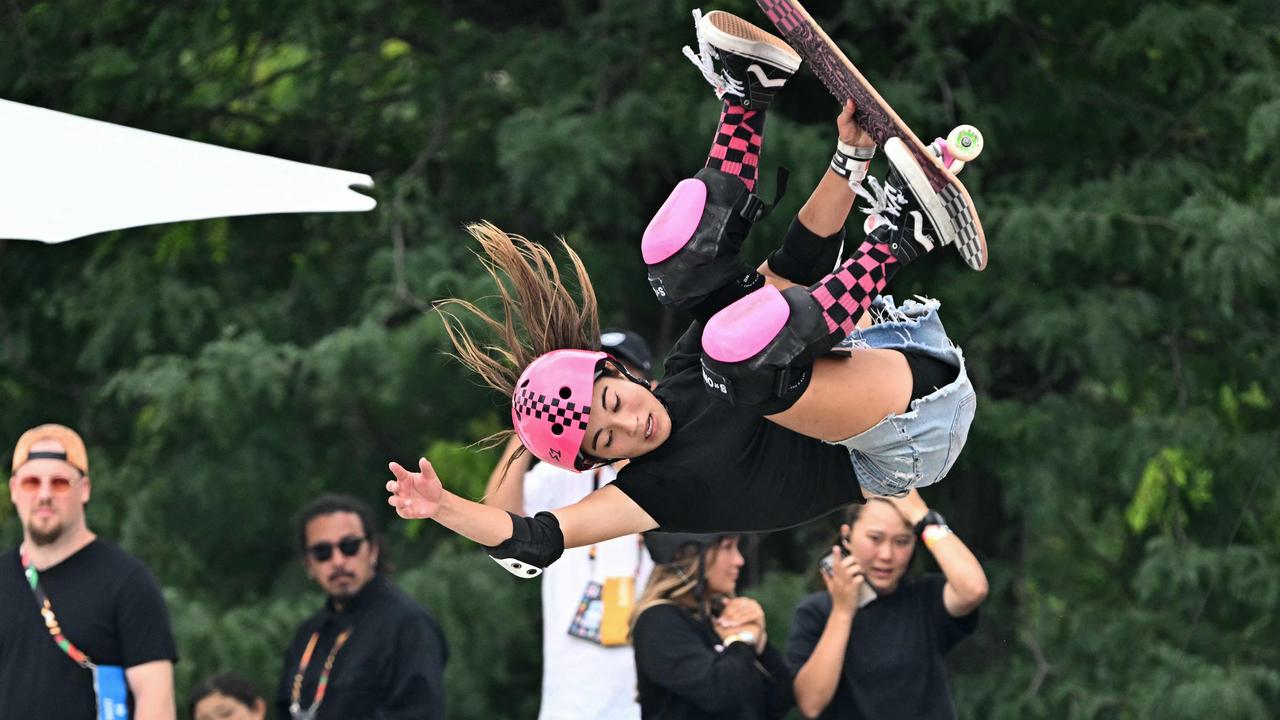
[(851, 133), (415, 495)]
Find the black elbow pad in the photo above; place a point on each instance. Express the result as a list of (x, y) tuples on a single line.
[(535, 543)]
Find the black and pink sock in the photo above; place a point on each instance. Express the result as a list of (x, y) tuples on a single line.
[(736, 146), (845, 294)]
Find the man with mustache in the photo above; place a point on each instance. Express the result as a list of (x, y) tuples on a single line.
[(371, 651), (84, 632)]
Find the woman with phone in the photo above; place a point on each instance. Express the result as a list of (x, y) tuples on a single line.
[(701, 650), (872, 645)]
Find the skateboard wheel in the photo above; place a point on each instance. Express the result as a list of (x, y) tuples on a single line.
[(965, 142)]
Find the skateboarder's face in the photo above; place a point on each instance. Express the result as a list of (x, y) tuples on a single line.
[(627, 420)]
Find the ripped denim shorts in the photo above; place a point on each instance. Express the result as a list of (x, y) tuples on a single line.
[(918, 447)]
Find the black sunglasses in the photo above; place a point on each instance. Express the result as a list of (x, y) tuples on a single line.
[(349, 546)]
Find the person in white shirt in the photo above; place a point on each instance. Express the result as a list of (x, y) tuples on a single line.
[(582, 676)]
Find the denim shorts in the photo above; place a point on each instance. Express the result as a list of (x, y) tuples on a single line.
[(918, 447)]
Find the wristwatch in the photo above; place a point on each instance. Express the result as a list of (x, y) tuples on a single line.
[(933, 517), (746, 636)]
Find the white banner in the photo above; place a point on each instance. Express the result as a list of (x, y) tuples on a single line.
[(64, 177)]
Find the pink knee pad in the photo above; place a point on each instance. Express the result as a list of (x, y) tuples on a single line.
[(675, 222), (741, 330)]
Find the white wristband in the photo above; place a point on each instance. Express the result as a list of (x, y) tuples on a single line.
[(856, 152), (933, 533), (849, 168)]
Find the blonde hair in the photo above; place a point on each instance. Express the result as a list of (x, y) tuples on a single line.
[(674, 584), (539, 313)]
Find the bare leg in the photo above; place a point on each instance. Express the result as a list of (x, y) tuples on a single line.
[(850, 395)]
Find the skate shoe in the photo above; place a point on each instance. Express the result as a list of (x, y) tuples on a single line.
[(740, 59), (902, 211)]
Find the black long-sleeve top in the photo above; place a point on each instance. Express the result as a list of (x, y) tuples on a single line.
[(684, 672), (724, 469), (391, 667)]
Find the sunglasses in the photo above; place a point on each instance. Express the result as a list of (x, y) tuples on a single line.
[(58, 485), (349, 546)]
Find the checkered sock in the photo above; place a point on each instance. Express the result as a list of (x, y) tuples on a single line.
[(847, 293), (736, 146)]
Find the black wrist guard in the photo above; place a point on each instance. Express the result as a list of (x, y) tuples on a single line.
[(804, 257), (535, 543)]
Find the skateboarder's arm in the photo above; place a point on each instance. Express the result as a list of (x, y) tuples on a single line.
[(604, 514), (824, 214)]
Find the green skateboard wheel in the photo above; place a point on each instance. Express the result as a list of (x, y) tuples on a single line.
[(965, 142)]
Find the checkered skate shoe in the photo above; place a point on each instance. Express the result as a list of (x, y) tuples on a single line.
[(752, 64), (903, 209)]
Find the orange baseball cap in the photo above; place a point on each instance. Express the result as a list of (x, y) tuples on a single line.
[(73, 452)]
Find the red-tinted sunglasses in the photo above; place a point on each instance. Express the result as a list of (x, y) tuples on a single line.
[(58, 484)]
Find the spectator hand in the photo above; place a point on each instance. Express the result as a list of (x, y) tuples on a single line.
[(845, 583), (912, 507), (741, 611), (851, 133), (742, 614), (415, 495)]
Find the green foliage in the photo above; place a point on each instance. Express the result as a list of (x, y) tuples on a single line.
[(1166, 477), (1119, 484), (489, 620)]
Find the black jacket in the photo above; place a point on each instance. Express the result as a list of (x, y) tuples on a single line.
[(684, 672), (391, 667)]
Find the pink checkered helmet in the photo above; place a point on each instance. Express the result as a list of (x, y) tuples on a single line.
[(551, 405)]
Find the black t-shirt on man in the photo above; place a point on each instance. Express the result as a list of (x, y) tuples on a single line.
[(893, 665), (108, 605), (727, 469)]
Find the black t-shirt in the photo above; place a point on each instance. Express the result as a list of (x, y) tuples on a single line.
[(893, 665), (391, 667), (684, 672), (727, 469), (108, 605)]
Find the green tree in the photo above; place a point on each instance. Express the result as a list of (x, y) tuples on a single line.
[(1119, 482)]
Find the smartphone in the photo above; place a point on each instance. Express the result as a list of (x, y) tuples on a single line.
[(866, 593)]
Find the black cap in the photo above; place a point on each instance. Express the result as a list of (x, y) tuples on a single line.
[(665, 547), (628, 347)]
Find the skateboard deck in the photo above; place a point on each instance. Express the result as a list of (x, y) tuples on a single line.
[(949, 206)]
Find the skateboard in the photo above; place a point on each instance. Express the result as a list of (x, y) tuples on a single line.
[(933, 176)]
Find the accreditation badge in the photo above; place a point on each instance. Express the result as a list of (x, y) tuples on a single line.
[(112, 691), (604, 611)]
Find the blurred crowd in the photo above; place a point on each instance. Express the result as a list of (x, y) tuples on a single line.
[(648, 626)]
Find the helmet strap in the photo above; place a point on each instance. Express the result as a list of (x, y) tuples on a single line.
[(621, 368)]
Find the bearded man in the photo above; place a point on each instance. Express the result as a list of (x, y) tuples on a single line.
[(84, 632)]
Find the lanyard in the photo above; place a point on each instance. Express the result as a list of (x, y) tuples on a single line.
[(295, 705), (51, 620)]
